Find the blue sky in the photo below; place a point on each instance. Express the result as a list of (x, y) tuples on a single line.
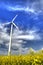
[(29, 22)]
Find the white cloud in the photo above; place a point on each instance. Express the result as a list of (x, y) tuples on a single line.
[(27, 9), (29, 35), (34, 7), (17, 8), (21, 50), (18, 37), (1, 27), (26, 37)]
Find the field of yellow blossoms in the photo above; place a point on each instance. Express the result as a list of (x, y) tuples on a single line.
[(29, 59)]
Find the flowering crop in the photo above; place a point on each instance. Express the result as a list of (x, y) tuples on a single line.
[(36, 59)]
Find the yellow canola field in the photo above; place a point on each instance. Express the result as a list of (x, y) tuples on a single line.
[(36, 59)]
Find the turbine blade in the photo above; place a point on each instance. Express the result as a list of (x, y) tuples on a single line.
[(15, 25), (14, 18), (6, 23)]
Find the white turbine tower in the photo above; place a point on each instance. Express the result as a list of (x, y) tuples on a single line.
[(9, 51), (12, 23)]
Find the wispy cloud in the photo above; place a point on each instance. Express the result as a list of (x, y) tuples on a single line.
[(29, 6), (20, 8), (16, 8)]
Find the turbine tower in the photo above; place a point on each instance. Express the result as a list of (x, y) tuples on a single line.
[(10, 42), (9, 50)]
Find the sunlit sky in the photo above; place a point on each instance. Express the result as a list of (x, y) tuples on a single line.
[(29, 22)]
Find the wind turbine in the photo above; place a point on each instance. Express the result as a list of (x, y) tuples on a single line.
[(12, 23)]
